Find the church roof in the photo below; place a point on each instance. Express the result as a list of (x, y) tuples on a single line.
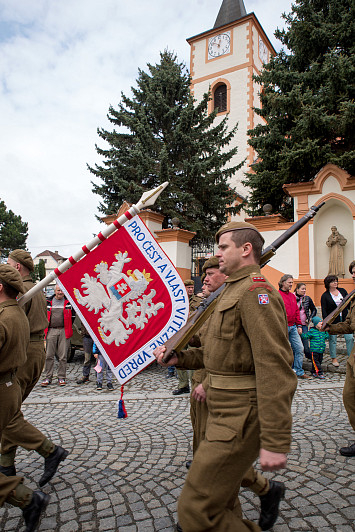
[(230, 11)]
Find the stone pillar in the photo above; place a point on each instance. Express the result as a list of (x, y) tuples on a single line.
[(175, 243)]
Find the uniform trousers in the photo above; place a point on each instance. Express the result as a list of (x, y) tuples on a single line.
[(10, 400), (209, 498), (19, 431), (252, 480), (56, 344), (349, 391), (87, 345), (184, 376)]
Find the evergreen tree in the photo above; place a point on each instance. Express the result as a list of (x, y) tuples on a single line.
[(307, 101), (13, 231), (166, 136), (39, 271)]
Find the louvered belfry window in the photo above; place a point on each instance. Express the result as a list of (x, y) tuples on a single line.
[(220, 98)]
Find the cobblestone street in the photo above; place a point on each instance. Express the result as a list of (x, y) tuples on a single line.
[(126, 474)]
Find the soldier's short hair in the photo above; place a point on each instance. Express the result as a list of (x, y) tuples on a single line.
[(249, 235), (351, 266)]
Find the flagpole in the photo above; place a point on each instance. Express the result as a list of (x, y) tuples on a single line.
[(147, 200)]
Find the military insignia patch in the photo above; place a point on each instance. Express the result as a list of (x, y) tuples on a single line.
[(259, 280), (263, 299)]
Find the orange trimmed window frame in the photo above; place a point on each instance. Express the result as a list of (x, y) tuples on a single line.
[(217, 84)]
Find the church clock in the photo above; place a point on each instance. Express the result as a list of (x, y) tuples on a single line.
[(219, 45), (263, 52)]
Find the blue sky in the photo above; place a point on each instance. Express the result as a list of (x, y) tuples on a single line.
[(62, 64)]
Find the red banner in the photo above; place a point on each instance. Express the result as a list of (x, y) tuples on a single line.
[(129, 297)]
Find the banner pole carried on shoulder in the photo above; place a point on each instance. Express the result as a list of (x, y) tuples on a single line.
[(147, 200)]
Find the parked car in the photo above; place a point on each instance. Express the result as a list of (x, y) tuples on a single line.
[(76, 341), (49, 292)]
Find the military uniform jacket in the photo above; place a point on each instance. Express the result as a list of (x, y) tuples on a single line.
[(35, 309), (346, 327), (194, 302), (248, 335), (14, 336)]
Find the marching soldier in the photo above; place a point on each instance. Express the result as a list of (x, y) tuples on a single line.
[(270, 492), (183, 374), (14, 340), (250, 387), (19, 431)]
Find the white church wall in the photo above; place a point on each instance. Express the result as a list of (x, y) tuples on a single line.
[(286, 258), (238, 115)]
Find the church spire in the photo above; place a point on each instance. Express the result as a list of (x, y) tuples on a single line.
[(230, 11)]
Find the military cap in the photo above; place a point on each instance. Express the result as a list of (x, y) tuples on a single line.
[(189, 282), (212, 262), (23, 257), (235, 226), (11, 276), (203, 277)]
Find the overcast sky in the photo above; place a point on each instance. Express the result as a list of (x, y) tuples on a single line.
[(62, 64)]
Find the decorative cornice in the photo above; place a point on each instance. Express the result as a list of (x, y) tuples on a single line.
[(174, 235)]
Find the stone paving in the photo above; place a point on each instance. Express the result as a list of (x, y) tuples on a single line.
[(126, 474)]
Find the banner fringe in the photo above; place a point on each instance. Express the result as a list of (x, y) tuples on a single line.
[(122, 412)]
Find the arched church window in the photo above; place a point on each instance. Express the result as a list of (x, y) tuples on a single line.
[(220, 98)]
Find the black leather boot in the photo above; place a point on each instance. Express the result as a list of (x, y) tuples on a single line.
[(348, 451), (32, 512), (270, 503), (51, 464)]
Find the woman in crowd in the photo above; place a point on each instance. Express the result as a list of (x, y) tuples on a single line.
[(307, 311), (331, 298)]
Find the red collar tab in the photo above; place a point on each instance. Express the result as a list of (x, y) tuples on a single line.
[(259, 280)]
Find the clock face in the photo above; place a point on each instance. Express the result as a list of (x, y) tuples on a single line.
[(263, 52), (219, 45)]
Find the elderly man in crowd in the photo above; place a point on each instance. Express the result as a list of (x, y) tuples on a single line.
[(60, 329)]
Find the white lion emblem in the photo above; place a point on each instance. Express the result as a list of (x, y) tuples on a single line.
[(121, 299)]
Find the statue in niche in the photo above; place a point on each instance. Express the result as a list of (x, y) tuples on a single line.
[(336, 243)]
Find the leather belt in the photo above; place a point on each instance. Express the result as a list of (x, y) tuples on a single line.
[(8, 376), (56, 327), (232, 382)]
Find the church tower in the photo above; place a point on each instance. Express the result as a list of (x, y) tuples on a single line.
[(224, 59)]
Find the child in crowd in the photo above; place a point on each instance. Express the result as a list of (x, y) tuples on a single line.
[(317, 347), (104, 366)]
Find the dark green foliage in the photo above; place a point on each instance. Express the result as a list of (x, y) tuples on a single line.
[(165, 136), (307, 101), (39, 272), (13, 231)]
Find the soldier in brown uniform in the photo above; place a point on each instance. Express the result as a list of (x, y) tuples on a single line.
[(348, 327), (14, 339), (270, 492), (19, 431), (183, 374), (250, 387)]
